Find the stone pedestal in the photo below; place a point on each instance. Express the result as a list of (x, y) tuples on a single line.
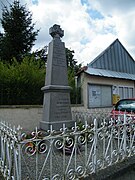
[(56, 105)]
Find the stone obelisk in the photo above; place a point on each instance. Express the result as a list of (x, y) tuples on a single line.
[(56, 105)]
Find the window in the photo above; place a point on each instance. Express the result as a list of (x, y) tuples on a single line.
[(126, 92)]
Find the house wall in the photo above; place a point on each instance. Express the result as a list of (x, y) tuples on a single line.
[(86, 79)]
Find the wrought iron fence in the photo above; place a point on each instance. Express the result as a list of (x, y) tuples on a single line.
[(68, 153)]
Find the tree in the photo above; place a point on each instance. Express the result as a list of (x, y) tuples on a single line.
[(41, 54), (19, 35), (73, 68), (71, 62)]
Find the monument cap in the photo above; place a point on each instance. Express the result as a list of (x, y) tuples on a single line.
[(56, 31)]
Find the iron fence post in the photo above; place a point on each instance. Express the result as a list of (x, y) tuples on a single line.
[(95, 146), (124, 136)]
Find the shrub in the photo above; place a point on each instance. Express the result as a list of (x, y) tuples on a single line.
[(21, 83)]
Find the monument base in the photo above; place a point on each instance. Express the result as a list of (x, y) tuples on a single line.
[(56, 108), (56, 125)]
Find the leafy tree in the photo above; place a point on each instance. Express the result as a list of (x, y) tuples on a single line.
[(41, 54), (73, 68), (19, 35), (1, 40), (71, 62)]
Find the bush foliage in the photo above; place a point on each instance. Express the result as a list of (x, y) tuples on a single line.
[(20, 83)]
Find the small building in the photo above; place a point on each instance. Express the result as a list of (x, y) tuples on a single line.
[(108, 78)]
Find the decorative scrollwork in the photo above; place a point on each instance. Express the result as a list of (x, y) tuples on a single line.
[(115, 153), (59, 144), (56, 177), (23, 136), (101, 135), (133, 149), (90, 137), (121, 152), (115, 131), (108, 160), (90, 167), (129, 150), (69, 142), (33, 147), (81, 139), (80, 171), (42, 147), (71, 174), (99, 164), (30, 148)]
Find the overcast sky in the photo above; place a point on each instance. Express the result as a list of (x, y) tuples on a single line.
[(89, 26)]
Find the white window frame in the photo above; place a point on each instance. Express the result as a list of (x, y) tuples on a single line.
[(124, 92)]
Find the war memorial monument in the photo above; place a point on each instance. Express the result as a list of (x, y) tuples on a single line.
[(56, 105)]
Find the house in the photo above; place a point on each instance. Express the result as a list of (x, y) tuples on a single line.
[(108, 78)]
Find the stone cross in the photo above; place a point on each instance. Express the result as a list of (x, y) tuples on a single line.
[(56, 31), (56, 105)]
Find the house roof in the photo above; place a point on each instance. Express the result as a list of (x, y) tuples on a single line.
[(114, 58), (108, 73)]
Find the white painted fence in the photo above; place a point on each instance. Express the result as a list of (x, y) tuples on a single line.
[(68, 153)]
